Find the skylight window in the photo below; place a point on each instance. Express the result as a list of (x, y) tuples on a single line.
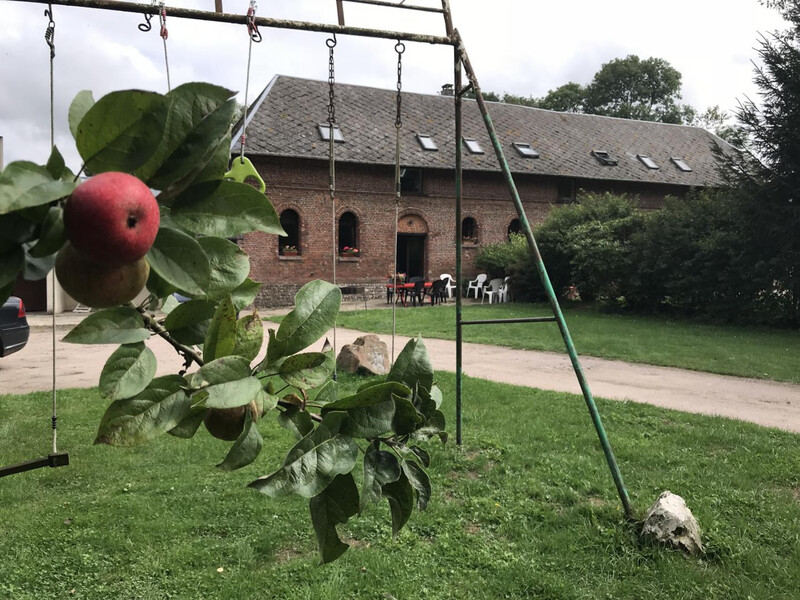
[(604, 158), (325, 132), (647, 161), (525, 150), (681, 164), (473, 146), (426, 142)]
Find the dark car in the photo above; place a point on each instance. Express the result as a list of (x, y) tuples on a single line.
[(14, 329)]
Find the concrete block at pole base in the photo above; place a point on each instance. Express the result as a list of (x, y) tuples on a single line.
[(669, 521), (367, 355)]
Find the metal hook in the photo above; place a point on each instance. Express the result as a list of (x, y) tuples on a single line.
[(331, 41), (399, 47), (252, 28), (50, 32), (146, 26)]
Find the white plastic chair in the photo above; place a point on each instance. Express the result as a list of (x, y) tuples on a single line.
[(492, 290), (450, 285), (476, 284), (503, 295)]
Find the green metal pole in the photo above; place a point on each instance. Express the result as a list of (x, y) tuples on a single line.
[(551, 295), (457, 241)]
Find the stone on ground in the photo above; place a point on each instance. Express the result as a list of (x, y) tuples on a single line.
[(669, 521), (367, 355)]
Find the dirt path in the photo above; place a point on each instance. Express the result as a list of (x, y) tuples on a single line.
[(764, 402)]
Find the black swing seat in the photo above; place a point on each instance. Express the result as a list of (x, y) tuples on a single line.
[(60, 459)]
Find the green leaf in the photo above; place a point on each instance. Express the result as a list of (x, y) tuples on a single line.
[(157, 409), (11, 263), (221, 370), (249, 337), (406, 418), (179, 259), (244, 295), (371, 411), (14, 231), (311, 464), (229, 265), (245, 449), (55, 164), (128, 371), (121, 131), (190, 424), (24, 184), (433, 426), (327, 393), (380, 468), (227, 382), (307, 370), (198, 119), (52, 236), (221, 336), (316, 306), (422, 455), (188, 322), (413, 366), (420, 481), (297, 421), (225, 209), (120, 325), (333, 506), (78, 109), (233, 393), (36, 268), (400, 495), (218, 165), (158, 287)]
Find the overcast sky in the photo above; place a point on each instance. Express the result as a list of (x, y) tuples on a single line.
[(524, 47)]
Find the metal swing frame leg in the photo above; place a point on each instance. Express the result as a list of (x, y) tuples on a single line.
[(59, 459)]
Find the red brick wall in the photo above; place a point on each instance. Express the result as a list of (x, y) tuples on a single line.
[(368, 192)]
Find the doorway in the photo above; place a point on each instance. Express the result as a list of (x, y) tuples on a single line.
[(411, 254)]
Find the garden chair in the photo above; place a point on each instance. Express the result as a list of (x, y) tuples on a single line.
[(418, 291), (476, 284), (505, 293), (449, 285), (492, 291), (438, 292)]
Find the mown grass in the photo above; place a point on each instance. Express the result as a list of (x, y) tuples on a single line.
[(728, 350), (524, 509)]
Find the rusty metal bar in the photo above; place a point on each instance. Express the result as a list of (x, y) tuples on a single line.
[(395, 5), (517, 320), (218, 6), (340, 12), (545, 279), (448, 18), (203, 15), (457, 243)]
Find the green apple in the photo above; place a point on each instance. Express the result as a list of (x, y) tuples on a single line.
[(96, 285), (228, 423)]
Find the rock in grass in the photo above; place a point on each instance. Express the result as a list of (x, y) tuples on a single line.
[(367, 355), (669, 521)]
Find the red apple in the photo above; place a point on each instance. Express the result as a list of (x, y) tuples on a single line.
[(96, 285), (112, 218)]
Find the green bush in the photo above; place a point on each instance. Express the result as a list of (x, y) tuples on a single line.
[(497, 260)]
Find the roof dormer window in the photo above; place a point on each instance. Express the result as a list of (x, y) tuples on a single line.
[(427, 142), (473, 146), (647, 161), (681, 164), (525, 150), (604, 158), (325, 132)]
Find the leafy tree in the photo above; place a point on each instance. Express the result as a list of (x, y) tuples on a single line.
[(178, 144), (569, 97)]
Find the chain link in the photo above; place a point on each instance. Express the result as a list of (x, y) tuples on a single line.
[(50, 32), (331, 43), (399, 48)]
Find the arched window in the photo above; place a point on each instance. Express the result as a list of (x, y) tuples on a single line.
[(348, 235), (289, 243), (469, 231), (513, 227)]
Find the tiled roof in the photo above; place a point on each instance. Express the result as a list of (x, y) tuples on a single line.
[(289, 110)]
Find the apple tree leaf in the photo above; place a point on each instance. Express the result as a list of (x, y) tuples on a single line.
[(420, 481), (11, 263), (188, 322), (160, 407), (331, 507), (52, 235), (55, 164), (380, 467), (80, 105), (179, 259), (244, 295), (311, 464), (316, 306), (121, 131), (128, 371), (297, 421), (25, 184), (307, 370), (245, 449), (119, 325), (400, 495), (229, 265), (221, 335), (413, 366), (249, 337), (372, 410), (225, 209), (227, 382)]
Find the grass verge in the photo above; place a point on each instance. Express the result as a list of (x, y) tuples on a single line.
[(525, 508), (728, 350)]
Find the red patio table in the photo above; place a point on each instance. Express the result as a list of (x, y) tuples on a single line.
[(402, 290)]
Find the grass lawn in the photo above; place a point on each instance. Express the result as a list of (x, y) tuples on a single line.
[(729, 350), (525, 509)]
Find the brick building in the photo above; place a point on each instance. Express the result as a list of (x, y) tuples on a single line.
[(552, 156)]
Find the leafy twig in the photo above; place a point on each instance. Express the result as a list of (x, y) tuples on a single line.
[(187, 353)]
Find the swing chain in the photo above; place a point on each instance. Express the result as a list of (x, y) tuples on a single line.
[(252, 28), (50, 32), (331, 43), (400, 47)]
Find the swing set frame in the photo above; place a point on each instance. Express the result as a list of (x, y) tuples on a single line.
[(462, 65)]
